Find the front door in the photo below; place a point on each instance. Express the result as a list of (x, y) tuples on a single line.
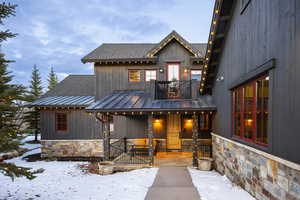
[(173, 131)]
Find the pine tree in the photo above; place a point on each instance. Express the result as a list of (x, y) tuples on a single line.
[(9, 95), (52, 79), (32, 116)]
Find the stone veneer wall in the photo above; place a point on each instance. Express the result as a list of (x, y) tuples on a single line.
[(263, 175), (72, 148)]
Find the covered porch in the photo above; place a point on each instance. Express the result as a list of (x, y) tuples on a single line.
[(174, 128)]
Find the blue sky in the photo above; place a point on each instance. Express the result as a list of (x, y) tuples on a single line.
[(59, 33)]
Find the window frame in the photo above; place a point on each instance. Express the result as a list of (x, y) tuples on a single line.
[(140, 71), (152, 70), (56, 122), (195, 70), (254, 110)]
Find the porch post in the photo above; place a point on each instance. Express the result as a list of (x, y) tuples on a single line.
[(150, 138), (106, 138), (195, 142)]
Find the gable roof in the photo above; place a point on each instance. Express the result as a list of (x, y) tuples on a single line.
[(174, 36), (74, 85), (134, 51)]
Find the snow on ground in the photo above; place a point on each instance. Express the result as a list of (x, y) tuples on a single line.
[(213, 186), (64, 180)]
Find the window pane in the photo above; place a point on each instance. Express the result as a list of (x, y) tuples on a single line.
[(249, 98), (150, 75), (248, 125), (237, 100), (237, 124), (134, 75), (262, 127), (248, 111), (173, 72), (61, 122), (196, 75)]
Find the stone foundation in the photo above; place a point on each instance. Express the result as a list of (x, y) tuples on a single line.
[(263, 175), (72, 148)]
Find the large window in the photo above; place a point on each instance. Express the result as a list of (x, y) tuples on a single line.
[(61, 122), (196, 75), (250, 111), (150, 75), (134, 75)]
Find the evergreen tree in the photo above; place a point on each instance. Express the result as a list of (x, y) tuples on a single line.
[(32, 116), (9, 95), (52, 79)]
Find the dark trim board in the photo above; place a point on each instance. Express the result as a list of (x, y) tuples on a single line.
[(264, 68)]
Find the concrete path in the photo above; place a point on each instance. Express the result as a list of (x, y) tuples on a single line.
[(174, 183)]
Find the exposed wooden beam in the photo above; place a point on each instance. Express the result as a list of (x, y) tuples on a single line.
[(219, 36), (224, 18), (218, 50), (214, 64)]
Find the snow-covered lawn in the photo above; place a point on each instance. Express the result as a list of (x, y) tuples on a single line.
[(213, 186), (64, 180)]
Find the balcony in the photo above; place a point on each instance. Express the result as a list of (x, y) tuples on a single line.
[(173, 89)]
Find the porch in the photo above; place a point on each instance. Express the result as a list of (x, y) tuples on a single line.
[(174, 128)]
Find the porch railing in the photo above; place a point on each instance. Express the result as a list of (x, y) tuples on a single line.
[(173, 89), (124, 152)]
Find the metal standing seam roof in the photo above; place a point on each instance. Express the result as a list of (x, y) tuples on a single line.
[(136, 100), (63, 101)]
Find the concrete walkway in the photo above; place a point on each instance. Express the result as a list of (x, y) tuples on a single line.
[(174, 183)]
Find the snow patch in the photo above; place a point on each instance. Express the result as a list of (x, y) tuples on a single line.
[(212, 186)]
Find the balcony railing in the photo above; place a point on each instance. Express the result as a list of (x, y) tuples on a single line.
[(173, 89)]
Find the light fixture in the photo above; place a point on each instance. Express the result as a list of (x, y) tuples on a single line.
[(185, 70), (161, 70)]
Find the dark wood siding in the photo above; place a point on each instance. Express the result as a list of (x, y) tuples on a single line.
[(80, 125), (267, 29), (109, 78)]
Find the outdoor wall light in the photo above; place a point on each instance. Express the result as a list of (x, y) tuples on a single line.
[(185, 70), (161, 70), (221, 78)]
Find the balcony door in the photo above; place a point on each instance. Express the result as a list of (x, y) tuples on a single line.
[(173, 71)]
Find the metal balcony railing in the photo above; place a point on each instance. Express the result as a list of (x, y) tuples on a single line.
[(173, 89)]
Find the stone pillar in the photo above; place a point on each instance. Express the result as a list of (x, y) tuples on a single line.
[(106, 138), (195, 140), (150, 138)]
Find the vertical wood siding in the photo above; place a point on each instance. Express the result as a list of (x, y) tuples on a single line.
[(267, 29), (80, 126)]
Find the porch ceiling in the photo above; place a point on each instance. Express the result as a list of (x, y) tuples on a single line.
[(140, 101)]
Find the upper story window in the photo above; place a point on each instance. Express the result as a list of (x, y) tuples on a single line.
[(173, 71), (150, 75), (250, 111), (61, 122), (196, 75), (134, 75)]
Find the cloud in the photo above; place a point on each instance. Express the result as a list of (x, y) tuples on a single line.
[(59, 33)]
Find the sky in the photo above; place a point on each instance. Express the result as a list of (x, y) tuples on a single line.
[(58, 33)]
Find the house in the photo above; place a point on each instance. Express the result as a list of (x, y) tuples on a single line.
[(240, 91), (253, 72), (146, 93)]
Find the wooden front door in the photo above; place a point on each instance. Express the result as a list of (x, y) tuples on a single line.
[(173, 131)]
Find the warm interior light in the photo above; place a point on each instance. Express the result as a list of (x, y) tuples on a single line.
[(189, 121), (157, 121), (249, 122)]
